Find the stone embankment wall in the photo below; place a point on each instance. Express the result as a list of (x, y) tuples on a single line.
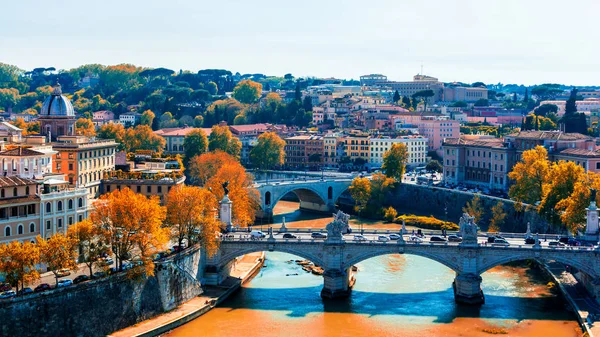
[(100, 307)]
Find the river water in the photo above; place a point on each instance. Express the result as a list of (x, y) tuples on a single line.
[(394, 295)]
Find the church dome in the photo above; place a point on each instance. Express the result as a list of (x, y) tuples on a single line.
[(57, 104)]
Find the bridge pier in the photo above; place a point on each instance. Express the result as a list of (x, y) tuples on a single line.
[(337, 283), (467, 289)]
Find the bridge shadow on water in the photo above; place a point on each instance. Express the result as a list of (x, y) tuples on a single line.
[(300, 302)]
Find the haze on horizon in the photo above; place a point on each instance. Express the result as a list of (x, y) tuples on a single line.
[(510, 41)]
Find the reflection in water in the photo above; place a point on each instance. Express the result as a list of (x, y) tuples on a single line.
[(399, 295)]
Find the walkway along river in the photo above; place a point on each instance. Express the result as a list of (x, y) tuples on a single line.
[(399, 295)]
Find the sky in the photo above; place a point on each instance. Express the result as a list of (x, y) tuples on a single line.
[(510, 41)]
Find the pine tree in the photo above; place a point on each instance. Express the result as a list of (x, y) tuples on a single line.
[(571, 106), (298, 94), (523, 124), (526, 98), (515, 97), (396, 96)]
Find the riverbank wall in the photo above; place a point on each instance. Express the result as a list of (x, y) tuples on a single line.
[(99, 307)]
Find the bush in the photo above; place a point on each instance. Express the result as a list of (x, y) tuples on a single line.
[(427, 222), (389, 214)]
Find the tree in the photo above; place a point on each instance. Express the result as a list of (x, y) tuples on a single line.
[(482, 102), (394, 161), (459, 104), (273, 100), (58, 252), (571, 104), (143, 138), (474, 208), (195, 143), (360, 190), (18, 262), (546, 91), (167, 121), (198, 121), (396, 97), (85, 127), (191, 216), (434, 166), (247, 91), (424, 94), (212, 88), (572, 209), (390, 214), (89, 244), (573, 121), (222, 139), (307, 103), (498, 216), (559, 185), (545, 109), (268, 151), (223, 110), (8, 98), (529, 175), (478, 85), (112, 131), (406, 102), (131, 224), (526, 96), (147, 118)]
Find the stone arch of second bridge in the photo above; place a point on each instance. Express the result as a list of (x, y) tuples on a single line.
[(230, 255), (309, 196)]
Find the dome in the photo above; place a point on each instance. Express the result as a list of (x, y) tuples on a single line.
[(57, 104)]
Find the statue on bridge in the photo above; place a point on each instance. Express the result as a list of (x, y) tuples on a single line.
[(338, 226), (468, 229), (225, 187)]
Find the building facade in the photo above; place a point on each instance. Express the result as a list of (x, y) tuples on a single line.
[(416, 147), (304, 151)]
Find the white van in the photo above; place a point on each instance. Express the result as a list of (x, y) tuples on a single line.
[(257, 235)]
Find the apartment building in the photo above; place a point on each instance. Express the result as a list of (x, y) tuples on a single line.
[(465, 94), (586, 106), (174, 138), (415, 145), (330, 150), (304, 151), (419, 83), (27, 162), (19, 209), (357, 146), (436, 129), (147, 182), (60, 205)]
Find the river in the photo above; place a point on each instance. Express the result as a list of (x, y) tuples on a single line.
[(394, 295)]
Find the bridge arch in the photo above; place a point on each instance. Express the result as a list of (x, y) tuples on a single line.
[(309, 197), (446, 261), (230, 255), (585, 268)]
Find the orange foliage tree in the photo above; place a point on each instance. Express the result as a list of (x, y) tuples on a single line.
[(58, 252), (89, 243), (18, 261), (191, 214), (213, 169), (131, 224)]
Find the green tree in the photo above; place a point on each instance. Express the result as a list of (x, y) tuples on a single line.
[(212, 88), (147, 118), (406, 102), (482, 102), (198, 121), (167, 121), (247, 91), (195, 143), (9, 98), (545, 109), (571, 105), (396, 97), (434, 166), (425, 95), (394, 161), (221, 139), (268, 151)]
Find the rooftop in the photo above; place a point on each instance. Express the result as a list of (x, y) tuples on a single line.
[(14, 181), (20, 152), (548, 135), (487, 142)]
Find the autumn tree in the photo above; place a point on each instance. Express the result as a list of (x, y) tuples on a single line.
[(222, 139), (474, 208), (131, 224), (191, 216), (58, 252), (247, 91), (167, 121), (394, 161), (147, 118), (89, 243), (498, 216), (195, 143), (85, 127), (18, 262), (381, 185), (360, 190), (112, 131), (142, 138), (558, 186), (572, 209), (268, 151), (529, 175)]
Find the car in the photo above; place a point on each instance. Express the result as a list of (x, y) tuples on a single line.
[(493, 238), (530, 240), (289, 236), (8, 294), (383, 238), (81, 278), (24, 291), (573, 242), (98, 274), (394, 237), (564, 239), (318, 235), (63, 273), (454, 238), (108, 261), (360, 238), (436, 238), (41, 287), (5, 287), (555, 244), (257, 235), (500, 242), (415, 238), (64, 283)]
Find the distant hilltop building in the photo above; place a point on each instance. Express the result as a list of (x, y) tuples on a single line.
[(57, 117), (367, 80)]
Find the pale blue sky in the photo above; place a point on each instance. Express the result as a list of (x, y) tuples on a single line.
[(510, 41)]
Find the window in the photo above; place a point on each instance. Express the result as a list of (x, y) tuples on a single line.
[(2, 191), (80, 218), (70, 204), (138, 189), (159, 189), (59, 223), (70, 221), (20, 230), (107, 188), (15, 192), (48, 224), (80, 202), (26, 190), (59, 206), (70, 166), (149, 189), (48, 207), (31, 227), (7, 231)]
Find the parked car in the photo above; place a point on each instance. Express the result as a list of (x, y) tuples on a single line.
[(63, 272), (415, 238), (8, 294), (564, 239), (81, 278), (436, 238), (454, 238), (318, 235), (530, 240), (383, 238), (493, 238), (289, 236), (42, 287), (24, 291), (500, 242), (555, 244), (257, 235), (394, 237), (98, 274), (360, 238), (5, 287), (64, 283), (573, 242)]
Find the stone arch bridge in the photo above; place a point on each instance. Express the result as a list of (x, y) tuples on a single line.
[(319, 195), (337, 257)]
